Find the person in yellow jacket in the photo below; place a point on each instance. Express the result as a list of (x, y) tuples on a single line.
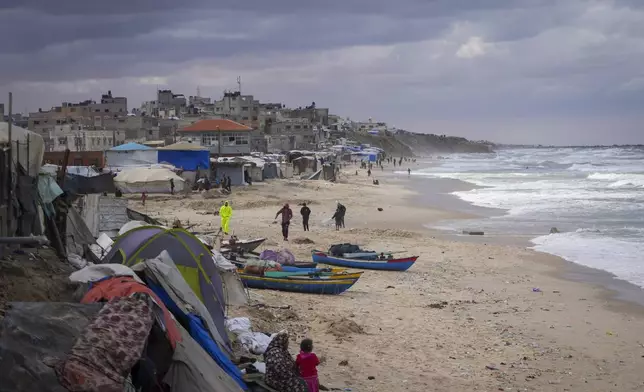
[(225, 212)]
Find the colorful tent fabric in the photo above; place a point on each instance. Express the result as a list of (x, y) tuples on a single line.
[(192, 258), (163, 277), (109, 347), (125, 286)]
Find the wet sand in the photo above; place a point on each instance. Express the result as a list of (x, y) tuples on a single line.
[(468, 316)]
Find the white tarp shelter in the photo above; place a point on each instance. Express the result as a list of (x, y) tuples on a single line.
[(131, 154), (146, 179)]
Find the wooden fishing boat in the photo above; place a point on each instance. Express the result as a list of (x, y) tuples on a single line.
[(401, 264), (243, 245), (331, 275), (299, 284)]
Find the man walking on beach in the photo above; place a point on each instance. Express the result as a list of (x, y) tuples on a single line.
[(339, 216), (225, 213), (306, 212), (287, 214)]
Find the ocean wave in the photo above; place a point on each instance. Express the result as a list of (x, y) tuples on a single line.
[(617, 256)]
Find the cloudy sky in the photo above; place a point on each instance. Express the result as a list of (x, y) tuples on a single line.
[(518, 71)]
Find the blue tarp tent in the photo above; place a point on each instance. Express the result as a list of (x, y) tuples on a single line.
[(187, 156)]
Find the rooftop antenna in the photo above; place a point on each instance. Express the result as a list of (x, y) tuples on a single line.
[(198, 92), (239, 84)]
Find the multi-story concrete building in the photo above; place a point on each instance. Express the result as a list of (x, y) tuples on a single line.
[(292, 133), (313, 114), (166, 105), (88, 113), (75, 138), (222, 136), (243, 109)]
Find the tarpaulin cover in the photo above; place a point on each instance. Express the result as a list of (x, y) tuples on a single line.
[(82, 185), (33, 331), (189, 160)]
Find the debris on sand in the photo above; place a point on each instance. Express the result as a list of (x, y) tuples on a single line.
[(344, 327), (303, 241)]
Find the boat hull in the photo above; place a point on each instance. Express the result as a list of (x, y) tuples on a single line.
[(308, 286), (244, 245), (329, 275), (402, 264)]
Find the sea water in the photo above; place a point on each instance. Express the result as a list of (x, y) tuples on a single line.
[(593, 196)]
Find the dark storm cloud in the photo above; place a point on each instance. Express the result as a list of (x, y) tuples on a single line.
[(406, 59)]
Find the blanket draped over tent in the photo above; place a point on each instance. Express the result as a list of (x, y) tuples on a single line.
[(109, 347)]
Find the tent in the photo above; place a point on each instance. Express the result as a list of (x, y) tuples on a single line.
[(131, 154), (146, 179), (163, 277), (193, 260), (184, 155)]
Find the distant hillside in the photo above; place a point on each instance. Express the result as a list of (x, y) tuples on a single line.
[(421, 144)]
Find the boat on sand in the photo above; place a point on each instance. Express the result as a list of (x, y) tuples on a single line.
[(299, 284), (400, 264)]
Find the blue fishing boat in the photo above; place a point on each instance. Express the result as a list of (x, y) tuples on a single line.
[(299, 284), (401, 264)]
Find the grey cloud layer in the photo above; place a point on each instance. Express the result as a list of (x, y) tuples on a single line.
[(453, 60)]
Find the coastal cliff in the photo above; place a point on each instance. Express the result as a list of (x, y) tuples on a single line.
[(419, 144)]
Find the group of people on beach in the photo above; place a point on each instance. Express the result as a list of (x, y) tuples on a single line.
[(226, 212)]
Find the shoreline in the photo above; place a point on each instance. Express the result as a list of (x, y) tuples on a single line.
[(465, 315), (618, 289)]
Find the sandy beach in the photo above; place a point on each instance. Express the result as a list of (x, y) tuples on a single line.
[(467, 316)]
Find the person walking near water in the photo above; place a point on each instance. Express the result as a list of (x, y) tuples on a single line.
[(287, 214), (225, 213), (306, 212)]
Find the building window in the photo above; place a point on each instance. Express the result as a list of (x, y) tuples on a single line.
[(36, 122), (288, 127), (245, 118), (97, 110), (254, 118), (245, 108)]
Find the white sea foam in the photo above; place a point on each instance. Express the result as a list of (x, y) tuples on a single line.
[(599, 190), (620, 257)]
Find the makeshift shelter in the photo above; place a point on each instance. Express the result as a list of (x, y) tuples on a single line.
[(270, 171), (131, 154), (193, 259), (233, 168), (150, 180), (30, 147), (185, 155)]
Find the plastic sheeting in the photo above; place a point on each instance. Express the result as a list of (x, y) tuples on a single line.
[(282, 256), (131, 158), (190, 160), (34, 331)]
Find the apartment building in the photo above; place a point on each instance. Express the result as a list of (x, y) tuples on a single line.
[(222, 136), (76, 138), (243, 109), (167, 105)]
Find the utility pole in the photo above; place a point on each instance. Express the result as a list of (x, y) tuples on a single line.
[(10, 225), (239, 84), (218, 143)]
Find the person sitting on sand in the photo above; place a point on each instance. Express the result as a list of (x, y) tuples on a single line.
[(281, 370), (307, 363), (287, 214)]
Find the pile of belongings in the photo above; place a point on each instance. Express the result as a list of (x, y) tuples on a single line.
[(338, 250), (146, 323), (282, 256), (259, 266)]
